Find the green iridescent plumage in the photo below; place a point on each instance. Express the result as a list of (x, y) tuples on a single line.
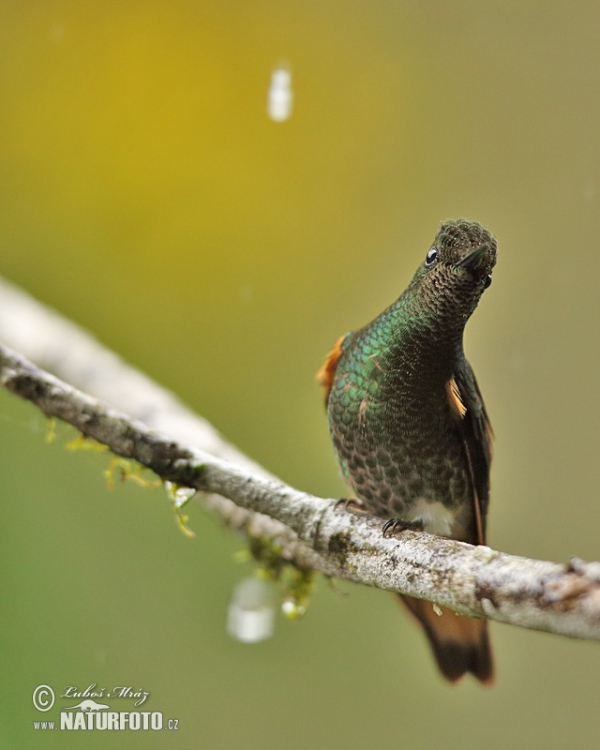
[(407, 420)]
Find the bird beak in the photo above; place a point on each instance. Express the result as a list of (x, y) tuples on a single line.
[(475, 260)]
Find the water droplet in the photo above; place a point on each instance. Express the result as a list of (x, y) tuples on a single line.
[(181, 495), (280, 97), (251, 614), (292, 609)]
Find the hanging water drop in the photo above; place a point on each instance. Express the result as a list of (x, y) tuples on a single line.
[(251, 614)]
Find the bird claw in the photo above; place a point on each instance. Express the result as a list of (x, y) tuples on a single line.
[(396, 525), (349, 504)]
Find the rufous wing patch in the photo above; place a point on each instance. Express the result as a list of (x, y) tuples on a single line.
[(326, 373), (457, 406), (477, 436)]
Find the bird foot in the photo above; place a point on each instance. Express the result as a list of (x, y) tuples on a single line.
[(396, 525), (350, 504)]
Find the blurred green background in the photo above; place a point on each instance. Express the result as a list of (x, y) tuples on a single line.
[(145, 193)]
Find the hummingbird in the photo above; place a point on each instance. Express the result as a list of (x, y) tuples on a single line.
[(409, 427)]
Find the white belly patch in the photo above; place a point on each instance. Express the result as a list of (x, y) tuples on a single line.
[(436, 518)]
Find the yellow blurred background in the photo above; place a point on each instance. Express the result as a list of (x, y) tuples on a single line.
[(145, 193)]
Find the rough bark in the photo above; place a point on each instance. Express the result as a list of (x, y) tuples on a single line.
[(161, 433)]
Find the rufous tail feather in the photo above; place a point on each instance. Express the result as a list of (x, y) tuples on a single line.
[(460, 644)]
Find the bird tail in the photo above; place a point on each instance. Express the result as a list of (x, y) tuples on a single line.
[(460, 644)]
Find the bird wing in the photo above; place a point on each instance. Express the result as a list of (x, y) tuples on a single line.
[(478, 436)]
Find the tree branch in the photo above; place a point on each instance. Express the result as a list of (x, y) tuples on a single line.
[(559, 598), (60, 346)]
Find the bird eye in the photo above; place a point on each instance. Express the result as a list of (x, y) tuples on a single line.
[(487, 282), (431, 256)]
